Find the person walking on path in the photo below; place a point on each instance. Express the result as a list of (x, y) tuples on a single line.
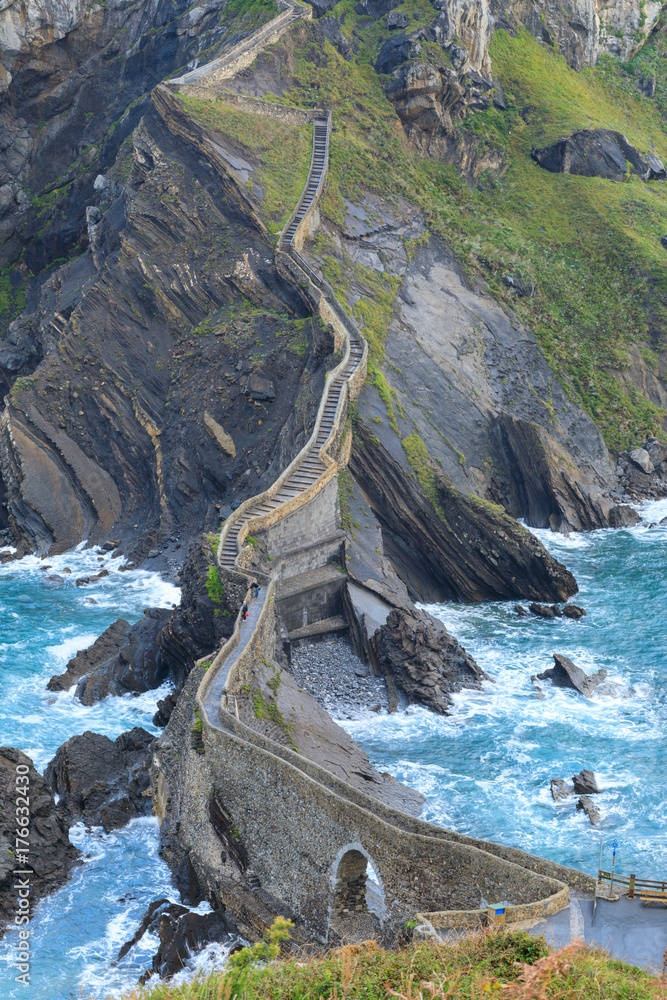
[(254, 586), (244, 611)]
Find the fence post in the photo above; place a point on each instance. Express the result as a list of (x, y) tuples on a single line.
[(631, 890)]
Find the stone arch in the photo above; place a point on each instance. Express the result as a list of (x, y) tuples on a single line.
[(358, 904)]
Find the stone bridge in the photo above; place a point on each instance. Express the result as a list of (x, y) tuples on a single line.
[(267, 830)]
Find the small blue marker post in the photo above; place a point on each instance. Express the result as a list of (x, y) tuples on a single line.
[(614, 846)]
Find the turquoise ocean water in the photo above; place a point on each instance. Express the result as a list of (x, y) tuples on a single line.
[(484, 770)]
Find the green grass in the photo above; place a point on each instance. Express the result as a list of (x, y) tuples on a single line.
[(12, 295), (591, 246), (282, 153), (214, 586), (511, 965)]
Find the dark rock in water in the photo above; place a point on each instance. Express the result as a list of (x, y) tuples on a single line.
[(623, 516), (106, 646), (83, 581), (424, 660), (573, 611), (181, 933), (545, 610), (597, 152), (51, 855), (560, 789), (101, 781), (165, 707), (566, 674), (589, 807), (521, 611), (53, 581), (137, 666), (585, 783)]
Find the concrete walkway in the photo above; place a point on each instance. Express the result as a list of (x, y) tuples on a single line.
[(626, 928), (214, 693)]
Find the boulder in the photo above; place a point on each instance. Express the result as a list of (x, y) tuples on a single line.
[(545, 610), (393, 52), (102, 650), (560, 789), (165, 707), (181, 934), (137, 666), (597, 152), (396, 19), (421, 657), (642, 460), (524, 289), (623, 516), (573, 611), (589, 807), (657, 451), (566, 674), (521, 611), (375, 8), (585, 783), (83, 581), (100, 781), (647, 85), (51, 856), (259, 388)]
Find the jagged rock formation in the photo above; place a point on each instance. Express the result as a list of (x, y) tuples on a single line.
[(103, 649), (449, 546), (100, 781), (110, 431), (137, 665), (51, 856), (181, 934), (565, 673), (424, 660), (599, 152)]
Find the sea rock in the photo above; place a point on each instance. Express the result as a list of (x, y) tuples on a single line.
[(560, 789), (545, 610), (521, 611), (597, 152), (589, 807), (566, 674), (102, 650), (83, 581), (137, 666), (53, 581), (623, 516), (51, 855), (478, 552), (181, 933), (585, 783), (573, 611), (424, 660), (553, 490), (165, 707), (642, 460), (100, 781)]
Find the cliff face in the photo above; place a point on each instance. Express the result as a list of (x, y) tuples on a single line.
[(156, 406)]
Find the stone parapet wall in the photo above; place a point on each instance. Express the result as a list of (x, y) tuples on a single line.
[(241, 56), (294, 839)]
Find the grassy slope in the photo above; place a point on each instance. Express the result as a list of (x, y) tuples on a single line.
[(591, 246), (501, 965), (283, 152)]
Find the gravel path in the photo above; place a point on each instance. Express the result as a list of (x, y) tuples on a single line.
[(338, 680)]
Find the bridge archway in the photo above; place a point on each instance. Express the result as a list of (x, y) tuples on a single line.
[(358, 906)]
